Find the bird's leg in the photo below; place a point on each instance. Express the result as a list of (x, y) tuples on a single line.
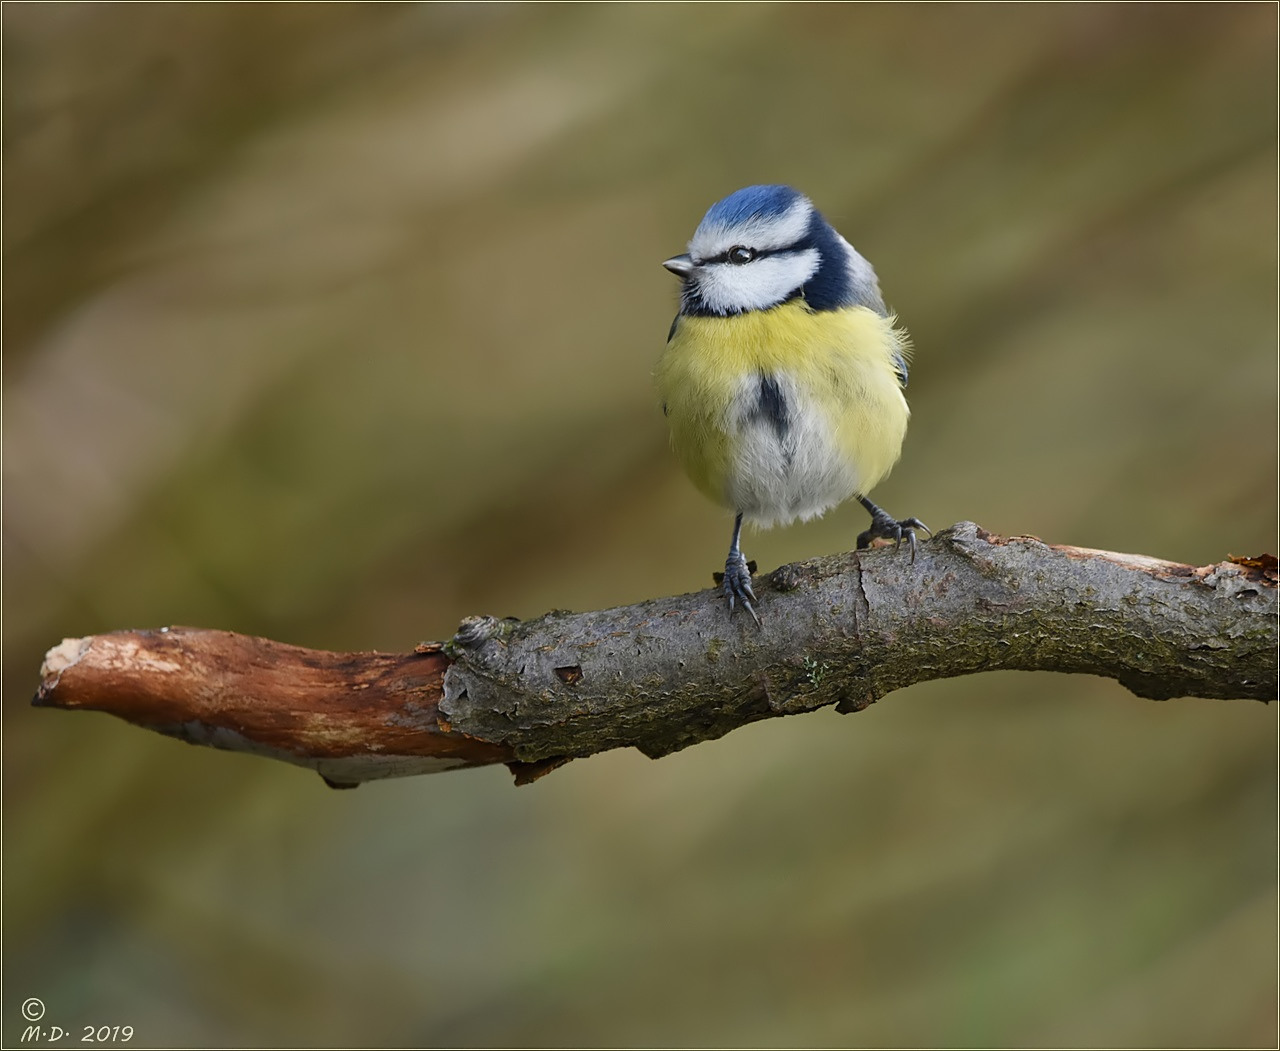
[(737, 575), (885, 528)]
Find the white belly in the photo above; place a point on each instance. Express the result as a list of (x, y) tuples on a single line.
[(786, 463)]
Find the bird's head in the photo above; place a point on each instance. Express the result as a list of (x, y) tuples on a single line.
[(764, 245)]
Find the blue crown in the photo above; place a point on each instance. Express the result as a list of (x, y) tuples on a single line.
[(763, 202)]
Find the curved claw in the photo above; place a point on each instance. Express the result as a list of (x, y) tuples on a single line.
[(885, 528), (737, 584)]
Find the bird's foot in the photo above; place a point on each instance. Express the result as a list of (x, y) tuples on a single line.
[(883, 527), (736, 582)]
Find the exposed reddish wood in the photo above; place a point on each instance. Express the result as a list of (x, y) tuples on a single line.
[(344, 714)]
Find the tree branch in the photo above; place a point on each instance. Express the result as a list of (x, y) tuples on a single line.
[(661, 675)]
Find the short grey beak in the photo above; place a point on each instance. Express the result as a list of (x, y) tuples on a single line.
[(680, 265)]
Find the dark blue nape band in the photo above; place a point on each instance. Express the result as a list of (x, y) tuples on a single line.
[(831, 287)]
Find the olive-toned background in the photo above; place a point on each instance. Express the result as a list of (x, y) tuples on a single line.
[(336, 324)]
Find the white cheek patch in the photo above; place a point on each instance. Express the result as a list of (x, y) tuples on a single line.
[(763, 233), (765, 282)]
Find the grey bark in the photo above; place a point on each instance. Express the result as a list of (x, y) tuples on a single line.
[(845, 630)]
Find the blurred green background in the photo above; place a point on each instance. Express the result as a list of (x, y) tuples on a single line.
[(336, 324)]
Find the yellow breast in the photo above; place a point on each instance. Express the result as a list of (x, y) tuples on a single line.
[(838, 432)]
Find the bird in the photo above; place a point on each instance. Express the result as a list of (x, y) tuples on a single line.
[(783, 374)]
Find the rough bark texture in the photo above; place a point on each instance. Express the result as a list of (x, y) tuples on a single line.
[(661, 675)]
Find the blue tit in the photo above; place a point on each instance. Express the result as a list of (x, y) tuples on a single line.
[(783, 373)]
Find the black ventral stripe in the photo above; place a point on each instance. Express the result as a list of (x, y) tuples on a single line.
[(771, 403)]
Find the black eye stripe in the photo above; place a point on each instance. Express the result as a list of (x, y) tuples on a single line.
[(760, 253)]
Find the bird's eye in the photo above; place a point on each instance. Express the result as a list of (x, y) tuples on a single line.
[(740, 254)]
